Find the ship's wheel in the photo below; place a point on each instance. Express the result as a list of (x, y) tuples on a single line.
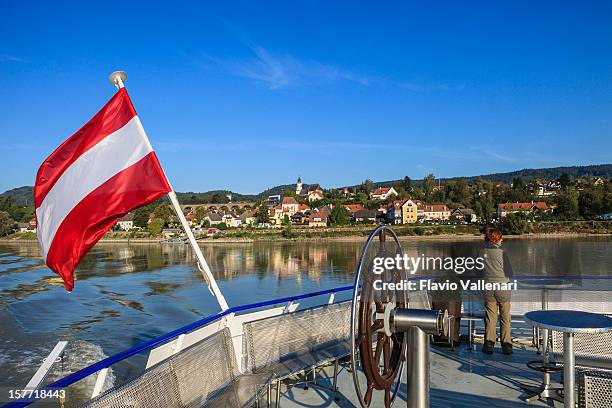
[(376, 352)]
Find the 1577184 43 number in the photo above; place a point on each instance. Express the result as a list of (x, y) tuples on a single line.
[(36, 394)]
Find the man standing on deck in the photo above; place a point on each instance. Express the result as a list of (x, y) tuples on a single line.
[(497, 269)]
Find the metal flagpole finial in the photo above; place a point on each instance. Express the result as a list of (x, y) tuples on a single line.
[(117, 78)]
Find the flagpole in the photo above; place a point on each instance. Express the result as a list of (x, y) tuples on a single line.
[(117, 78)]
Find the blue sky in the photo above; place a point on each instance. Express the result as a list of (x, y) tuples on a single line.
[(251, 95)]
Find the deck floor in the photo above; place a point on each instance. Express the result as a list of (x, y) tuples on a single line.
[(459, 378)]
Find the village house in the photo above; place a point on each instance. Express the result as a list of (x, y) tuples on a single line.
[(290, 206), (420, 209), (402, 212), (299, 218), (126, 223), (394, 212), (383, 193), (274, 200), (325, 210), (318, 219), (345, 191), (231, 220), (544, 188), (276, 215), (248, 217), (542, 191), (315, 195), (213, 218), (464, 215), (190, 217), (512, 208), (436, 212), (21, 227), (353, 208), (409, 212), (365, 216)]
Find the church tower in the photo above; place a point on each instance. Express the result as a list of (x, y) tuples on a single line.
[(298, 186)]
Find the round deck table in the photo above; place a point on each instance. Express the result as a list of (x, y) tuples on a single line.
[(569, 322), (545, 285)]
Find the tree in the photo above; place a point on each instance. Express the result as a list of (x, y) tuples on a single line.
[(286, 220), (16, 212), (519, 190), (262, 214), (6, 203), (565, 180), (222, 226), (339, 215), (199, 214), (515, 224), (163, 212), (141, 216), (591, 202), (459, 192), (367, 186), (429, 183), (6, 223), (156, 226), (484, 202), (407, 184), (567, 204)]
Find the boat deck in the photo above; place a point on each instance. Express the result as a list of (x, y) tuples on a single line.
[(459, 378)]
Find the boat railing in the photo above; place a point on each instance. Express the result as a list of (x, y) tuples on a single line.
[(164, 347), (104, 364)]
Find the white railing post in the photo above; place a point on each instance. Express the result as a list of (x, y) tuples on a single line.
[(100, 380), (46, 365)]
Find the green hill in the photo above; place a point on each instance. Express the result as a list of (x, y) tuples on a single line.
[(553, 173), (24, 195)]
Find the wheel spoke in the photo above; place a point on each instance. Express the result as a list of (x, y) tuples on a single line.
[(380, 343), (387, 357), (377, 325), (367, 398)]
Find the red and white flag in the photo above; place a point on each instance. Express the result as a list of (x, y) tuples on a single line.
[(102, 172)]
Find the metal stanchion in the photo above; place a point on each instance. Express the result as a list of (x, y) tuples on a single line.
[(418, 324)]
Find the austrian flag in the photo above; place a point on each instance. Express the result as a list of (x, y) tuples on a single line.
[(102, 172)]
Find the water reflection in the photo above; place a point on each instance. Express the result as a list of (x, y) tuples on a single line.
[(26, 275)]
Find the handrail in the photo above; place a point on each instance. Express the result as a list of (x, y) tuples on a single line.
[(107, 362)]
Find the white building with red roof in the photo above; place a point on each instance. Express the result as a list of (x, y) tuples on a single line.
[(382, 193)]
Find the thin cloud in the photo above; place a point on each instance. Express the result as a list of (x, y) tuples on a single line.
[(283, 71), (13, 58)]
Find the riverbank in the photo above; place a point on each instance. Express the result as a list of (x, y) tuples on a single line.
[(349, 238)]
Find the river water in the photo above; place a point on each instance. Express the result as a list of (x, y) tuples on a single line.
[(128, 293)]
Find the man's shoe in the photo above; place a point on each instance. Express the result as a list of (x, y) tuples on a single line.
[(507, 348), (487, 347)]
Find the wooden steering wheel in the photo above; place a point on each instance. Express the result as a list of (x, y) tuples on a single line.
[(375, 351)]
